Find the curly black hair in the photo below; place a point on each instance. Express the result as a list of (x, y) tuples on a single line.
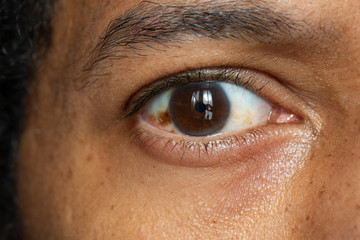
[(25, 32)]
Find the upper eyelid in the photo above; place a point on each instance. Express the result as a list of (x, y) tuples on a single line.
[(241, 77)]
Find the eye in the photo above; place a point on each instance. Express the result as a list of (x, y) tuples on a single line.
[(207, 108), (204, 117)]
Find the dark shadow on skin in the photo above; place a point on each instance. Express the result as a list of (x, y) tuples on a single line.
[(25, 33)]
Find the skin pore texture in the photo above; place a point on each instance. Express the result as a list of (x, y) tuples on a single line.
[(86, 171)]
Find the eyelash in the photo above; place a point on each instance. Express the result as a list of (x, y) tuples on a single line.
[(241, 78), (207, 147)]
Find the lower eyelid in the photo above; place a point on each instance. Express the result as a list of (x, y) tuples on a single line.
[(215, 151), (249, 165)]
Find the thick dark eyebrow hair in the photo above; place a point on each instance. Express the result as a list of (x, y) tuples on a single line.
[(168, 24)]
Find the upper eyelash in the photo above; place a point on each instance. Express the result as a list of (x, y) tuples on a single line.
[(240, 77)]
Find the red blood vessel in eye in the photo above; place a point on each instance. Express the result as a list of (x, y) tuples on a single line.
[(199, 109)]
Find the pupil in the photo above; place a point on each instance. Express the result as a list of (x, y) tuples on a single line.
[(199, 109)]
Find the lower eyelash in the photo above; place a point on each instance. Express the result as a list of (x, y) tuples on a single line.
[(203, 149)]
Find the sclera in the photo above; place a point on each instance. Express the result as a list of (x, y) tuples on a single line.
[(247, 110)]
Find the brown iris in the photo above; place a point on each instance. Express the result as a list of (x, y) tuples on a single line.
[(199, 109)]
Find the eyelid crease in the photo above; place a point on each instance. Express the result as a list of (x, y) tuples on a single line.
[(240, 77)]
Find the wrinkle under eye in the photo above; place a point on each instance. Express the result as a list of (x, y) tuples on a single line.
[(199, 108)]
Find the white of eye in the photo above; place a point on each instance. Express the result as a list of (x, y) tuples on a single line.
[(247, 110)]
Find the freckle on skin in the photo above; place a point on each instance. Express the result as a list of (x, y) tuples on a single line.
[(69, 174), (322, 191), (287, 209), (89, 158)]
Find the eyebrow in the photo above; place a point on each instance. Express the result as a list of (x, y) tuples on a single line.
[(152, 24)]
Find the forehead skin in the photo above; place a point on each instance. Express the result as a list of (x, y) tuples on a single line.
[(82, 176)]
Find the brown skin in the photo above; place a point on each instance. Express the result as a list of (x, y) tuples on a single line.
[(83, 176)]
